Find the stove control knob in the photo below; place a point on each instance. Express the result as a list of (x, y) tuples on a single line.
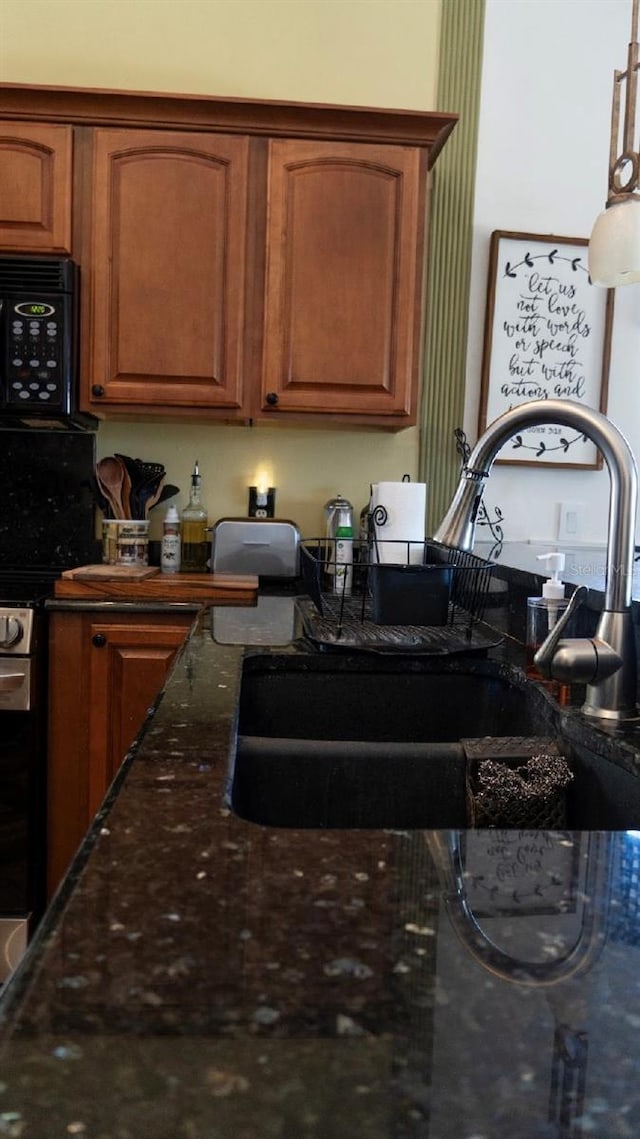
[(10, 631)]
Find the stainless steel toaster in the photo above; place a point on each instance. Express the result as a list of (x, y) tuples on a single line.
[(268, 547)]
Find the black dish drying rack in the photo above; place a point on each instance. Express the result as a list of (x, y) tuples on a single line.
[(425, 598)]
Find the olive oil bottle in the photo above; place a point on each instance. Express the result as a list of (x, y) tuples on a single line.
[(194, 524)]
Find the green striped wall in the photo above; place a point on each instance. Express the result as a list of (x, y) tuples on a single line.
[(449, 257)]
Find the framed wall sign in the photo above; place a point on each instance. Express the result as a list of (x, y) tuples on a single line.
[(547, 336)]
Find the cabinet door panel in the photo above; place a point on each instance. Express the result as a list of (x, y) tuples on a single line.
[(35, 187), (104, 676), (168, 254), (131, 667), (342, 278)]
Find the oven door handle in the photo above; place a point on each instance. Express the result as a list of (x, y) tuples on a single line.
[(10, 681), (16, 684)]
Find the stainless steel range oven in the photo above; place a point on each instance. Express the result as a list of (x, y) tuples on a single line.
[(23, 730)]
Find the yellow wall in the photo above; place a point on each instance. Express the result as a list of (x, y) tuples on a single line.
[(366, 52)]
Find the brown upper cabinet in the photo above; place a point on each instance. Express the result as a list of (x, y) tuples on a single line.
[(344, 271), (240, 259), (167, 257), (35, 187)]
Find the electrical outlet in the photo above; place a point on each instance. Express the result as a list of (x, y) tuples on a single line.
[(262, 502), (570, 521)]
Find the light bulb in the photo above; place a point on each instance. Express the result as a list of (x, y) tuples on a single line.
[(614, 247)]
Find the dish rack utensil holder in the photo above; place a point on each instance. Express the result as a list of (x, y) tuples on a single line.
[(429, 598)]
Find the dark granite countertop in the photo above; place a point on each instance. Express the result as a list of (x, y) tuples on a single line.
[(202, 977)]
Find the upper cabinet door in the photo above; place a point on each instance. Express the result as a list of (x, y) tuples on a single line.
[(344, 269), (35, 187), (167, 252)]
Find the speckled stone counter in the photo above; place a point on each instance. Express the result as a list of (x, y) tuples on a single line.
[(202, 977)]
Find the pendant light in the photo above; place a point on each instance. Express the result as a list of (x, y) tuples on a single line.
[(614, 248)]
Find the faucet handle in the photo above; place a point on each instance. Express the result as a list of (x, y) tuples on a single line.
[(545, 654)]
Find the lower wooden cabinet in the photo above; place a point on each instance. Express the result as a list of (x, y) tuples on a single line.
[(105, 673)]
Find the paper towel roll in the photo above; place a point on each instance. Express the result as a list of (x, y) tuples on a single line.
[(405, 504)]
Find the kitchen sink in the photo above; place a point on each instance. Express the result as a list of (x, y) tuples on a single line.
[(385, 699), (335, 741), (339, 741)]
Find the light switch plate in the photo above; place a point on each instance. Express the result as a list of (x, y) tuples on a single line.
[(571, 521)]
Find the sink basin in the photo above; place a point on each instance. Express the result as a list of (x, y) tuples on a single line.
[(329, 740), (339, 741), (335, 697)]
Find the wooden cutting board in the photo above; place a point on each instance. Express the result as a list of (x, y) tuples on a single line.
[(146, 583), (110, 573)]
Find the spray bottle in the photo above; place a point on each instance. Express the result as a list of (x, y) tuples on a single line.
[(338, 514), (170, 548), (542, 614)]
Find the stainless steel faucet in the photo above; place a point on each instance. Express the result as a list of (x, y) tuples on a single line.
[(606, 663)]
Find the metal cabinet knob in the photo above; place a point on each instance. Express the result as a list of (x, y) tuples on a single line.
[(99, 640), (272, 398), (97, 389)]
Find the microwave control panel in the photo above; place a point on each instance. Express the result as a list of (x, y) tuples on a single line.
[(37, 352)]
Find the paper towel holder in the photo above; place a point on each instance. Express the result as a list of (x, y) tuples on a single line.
[(393, 535), (379, 516)]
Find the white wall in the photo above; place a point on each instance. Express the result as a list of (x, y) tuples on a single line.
[(542, 168)]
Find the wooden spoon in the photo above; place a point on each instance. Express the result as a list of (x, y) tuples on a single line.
[(125, 493), (110, 475)]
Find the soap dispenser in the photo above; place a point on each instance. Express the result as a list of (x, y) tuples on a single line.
[(542, 614)]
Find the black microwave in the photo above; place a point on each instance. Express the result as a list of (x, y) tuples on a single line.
[(38, 340)]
